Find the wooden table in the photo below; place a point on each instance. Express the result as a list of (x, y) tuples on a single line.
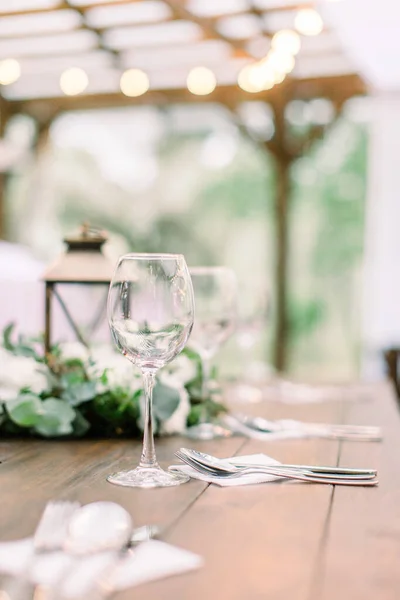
[(289, 541)]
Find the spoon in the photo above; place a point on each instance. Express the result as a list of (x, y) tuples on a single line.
[(144, 534), (98, 527), (217, 463), (207, 431)]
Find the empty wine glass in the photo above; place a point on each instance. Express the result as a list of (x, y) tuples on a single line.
[(150, 312), (215, 293), (253, 315)]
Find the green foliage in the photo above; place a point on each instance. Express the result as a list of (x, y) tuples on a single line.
[(305, 316), (23, 346), (113, 414), (56, 418), (25, 410), (244, 193), (79, 404), (165, 401), (76, 394)]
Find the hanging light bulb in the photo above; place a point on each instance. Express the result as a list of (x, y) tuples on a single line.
[(279, 77), (308, 22), (73, 81), (134, 82), (265, 74), (286, 40), (201, 81), (10, 71), (247, 81), (280, 62), (256, 77)]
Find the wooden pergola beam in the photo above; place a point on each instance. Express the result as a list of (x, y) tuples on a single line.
[(208, 26), (95, 30), (64, 5), (336, 88)]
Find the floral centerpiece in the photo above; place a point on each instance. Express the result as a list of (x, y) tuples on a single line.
[(73, 391)]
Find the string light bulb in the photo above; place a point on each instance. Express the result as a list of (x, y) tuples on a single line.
[(308, 22), (201, 81), (280, 62), (134, 82), (256, 77), (10, 71), (73, 81), (247, 81), (286, 40), (264, 74)]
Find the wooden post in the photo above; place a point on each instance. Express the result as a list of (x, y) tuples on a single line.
[(4, 117), (280, 149), (282, 200), (286, 151), (48, 314)]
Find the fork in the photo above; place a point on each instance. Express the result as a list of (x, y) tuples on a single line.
[(231, 472), (52, 528), (49, 535), (207, 459), (354, 432)]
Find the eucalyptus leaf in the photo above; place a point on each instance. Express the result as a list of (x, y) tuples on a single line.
[(80, 425), (165, 401), (56, 418), (77, 394), (7, 333), (25, 410)]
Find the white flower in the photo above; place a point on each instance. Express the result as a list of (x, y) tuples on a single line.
[(120, 371), (182, 369), (177, 421), (18, 372), (71, 350)]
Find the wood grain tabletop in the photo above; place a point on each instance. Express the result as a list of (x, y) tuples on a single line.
[(278, 541)]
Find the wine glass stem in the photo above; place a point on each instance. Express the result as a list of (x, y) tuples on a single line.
[(205, 390), (148, 458)]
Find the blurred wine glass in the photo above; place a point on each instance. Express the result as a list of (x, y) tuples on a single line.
[(215, 292), (253, 316)]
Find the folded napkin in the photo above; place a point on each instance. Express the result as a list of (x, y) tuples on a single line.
[(76, 576), (247, 479), (296, 430), (237, 426)]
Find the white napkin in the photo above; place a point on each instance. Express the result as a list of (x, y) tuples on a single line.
[(253, 459), (75, 576), (236, 426), (294, 430)]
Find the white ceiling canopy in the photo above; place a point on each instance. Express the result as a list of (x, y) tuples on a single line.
[(369, 33)]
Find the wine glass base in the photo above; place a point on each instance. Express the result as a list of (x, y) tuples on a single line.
[(147, 477)]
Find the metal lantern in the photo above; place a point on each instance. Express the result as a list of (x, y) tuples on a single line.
[(83, 263)]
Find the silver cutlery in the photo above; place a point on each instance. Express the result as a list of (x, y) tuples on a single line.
[(98, 527), (79, 531), (207, 431), (49, 535), (218, 468), (52, 529), (144, 534), (346, 432), (103, 587), (204, 458), (274, 470)]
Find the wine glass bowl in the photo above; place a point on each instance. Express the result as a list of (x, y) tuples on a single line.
[(215, 291), (151, 313)]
